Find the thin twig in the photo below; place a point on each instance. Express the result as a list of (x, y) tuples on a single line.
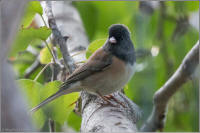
[(157, 118), (38, 75), (51, 125), (53, 51), (59, 39), (80, 62), (44, 21), (32, 68), (53, 73), (54, 59), (80, 52), (160, 35)]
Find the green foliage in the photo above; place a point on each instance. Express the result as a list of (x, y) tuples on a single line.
[(74, 121), (32, 8), (22, 61), (45, 55), (180, 8), (31, 89), (186, 6), (98, 16), (58, 110), (94, 46), (26, 36)]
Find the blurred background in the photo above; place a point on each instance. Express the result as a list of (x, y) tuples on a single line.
[(162, 33)]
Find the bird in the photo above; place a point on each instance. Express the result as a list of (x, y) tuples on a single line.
[(106, 71)]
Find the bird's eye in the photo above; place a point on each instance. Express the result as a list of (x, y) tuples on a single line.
[(112, 40)]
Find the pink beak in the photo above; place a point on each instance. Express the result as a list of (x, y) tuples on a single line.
[(112, 40)]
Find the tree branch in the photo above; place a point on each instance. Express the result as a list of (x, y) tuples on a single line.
[(36, 64), (98, 116), (51, 125), (59, 39), (157, 118), (163, 42)]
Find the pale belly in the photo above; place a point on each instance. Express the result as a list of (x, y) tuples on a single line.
[(109, 81)]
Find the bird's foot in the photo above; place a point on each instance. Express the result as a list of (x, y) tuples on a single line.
[(72, 104), (104, 98), (108, 98), (117, 101)]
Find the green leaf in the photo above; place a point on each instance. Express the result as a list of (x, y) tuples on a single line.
[(88, 12), (74, 121), (97, 16), (192, 5), (31, 89), (60, 108), (33, 7), (22, 62), (181, 8), (186, 6), (26, 36), (45, 55), (94, 46), (57, 110)]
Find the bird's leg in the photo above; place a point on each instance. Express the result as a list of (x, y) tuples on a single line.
[(72, 103), (117, 101), (104, 98)]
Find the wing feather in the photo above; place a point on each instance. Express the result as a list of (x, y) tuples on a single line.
[(99, 61)]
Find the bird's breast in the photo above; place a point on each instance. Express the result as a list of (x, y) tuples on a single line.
[(111, 79)]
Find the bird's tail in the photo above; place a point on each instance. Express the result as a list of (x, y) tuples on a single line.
[(64, 89), (49, 99)]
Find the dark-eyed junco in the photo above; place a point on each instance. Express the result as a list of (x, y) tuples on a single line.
[(107, 70)]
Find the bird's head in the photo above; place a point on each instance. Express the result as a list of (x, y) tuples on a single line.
[(118, 33)]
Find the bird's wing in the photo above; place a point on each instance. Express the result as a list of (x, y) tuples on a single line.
[(99, 61)]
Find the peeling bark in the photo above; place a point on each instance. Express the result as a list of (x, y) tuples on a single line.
[(99, 116)]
